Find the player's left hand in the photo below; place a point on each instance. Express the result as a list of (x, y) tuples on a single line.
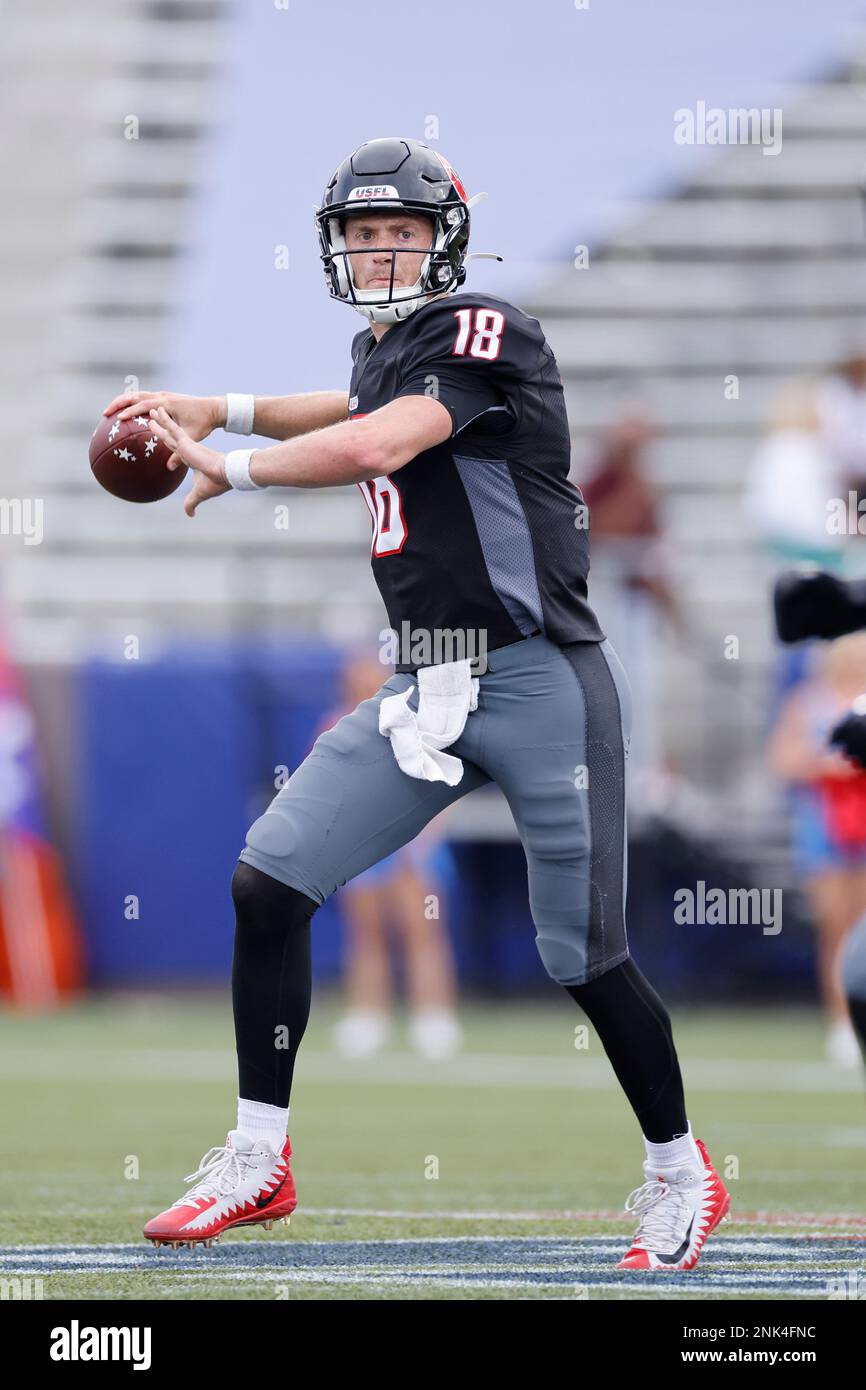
[(207, 464)]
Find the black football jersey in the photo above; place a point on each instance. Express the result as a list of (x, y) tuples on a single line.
[(483, 534)]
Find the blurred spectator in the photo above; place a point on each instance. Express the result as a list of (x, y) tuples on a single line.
[(828, 818), (400, 899), (792, 477), (843, 421), (627, 586), (790, 481)]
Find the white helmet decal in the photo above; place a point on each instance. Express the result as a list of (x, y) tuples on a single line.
[(370, 191)]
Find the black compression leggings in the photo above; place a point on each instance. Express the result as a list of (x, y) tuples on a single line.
[(857, 1010), (635, 1031), (271, 982)]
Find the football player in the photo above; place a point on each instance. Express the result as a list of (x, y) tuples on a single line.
[(455, 430)]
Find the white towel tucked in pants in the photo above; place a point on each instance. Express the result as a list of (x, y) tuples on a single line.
[(448, 695)]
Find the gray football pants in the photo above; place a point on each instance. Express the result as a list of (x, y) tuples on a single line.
[(551, 730)]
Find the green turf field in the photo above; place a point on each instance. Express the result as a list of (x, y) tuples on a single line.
[(499, 1175)]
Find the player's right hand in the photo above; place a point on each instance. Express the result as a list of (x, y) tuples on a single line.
[(198, 416), (209, 465)]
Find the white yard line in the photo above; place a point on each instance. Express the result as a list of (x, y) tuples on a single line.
[(755, 1218), (737, 1282), (586, 1245), (575, 1073)]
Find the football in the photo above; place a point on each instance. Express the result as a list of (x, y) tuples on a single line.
[(129, 460)]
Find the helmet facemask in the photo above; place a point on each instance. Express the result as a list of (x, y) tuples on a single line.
[(441, 269)]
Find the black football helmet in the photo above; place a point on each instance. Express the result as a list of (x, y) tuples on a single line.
[(395, 173)]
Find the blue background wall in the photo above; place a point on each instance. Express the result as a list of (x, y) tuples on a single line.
[(178, 757)]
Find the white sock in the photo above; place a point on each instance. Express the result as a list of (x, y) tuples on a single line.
[(679, 1152), (262, 1121)]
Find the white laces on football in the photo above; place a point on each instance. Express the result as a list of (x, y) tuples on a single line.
[(219, 1173), (663, 1213)]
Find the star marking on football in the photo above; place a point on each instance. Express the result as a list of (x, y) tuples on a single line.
[(150, 446), (125, 455), (113, 432), (142, 420)]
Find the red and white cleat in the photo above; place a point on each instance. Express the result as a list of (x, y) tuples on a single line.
[(244, 1183), (678, 1210)]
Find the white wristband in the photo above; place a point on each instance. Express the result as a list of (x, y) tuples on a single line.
[(238, 470), (240, 411)]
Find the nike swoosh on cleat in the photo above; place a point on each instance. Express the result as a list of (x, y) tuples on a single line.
[(266, 1201), (678, 1254)]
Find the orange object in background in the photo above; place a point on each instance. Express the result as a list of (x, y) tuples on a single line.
[(41, 955)]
